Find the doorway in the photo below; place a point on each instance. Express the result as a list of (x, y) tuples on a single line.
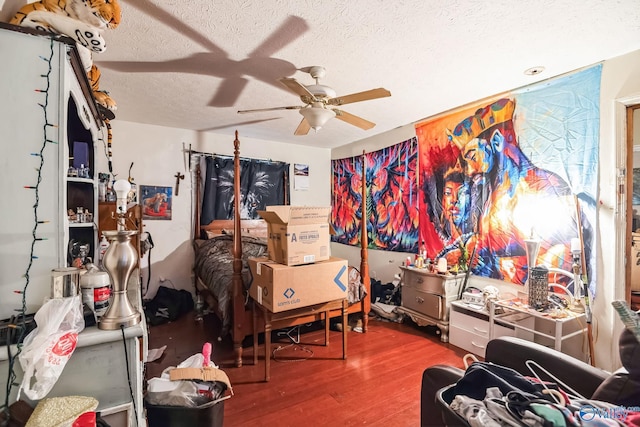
[(632, 240)]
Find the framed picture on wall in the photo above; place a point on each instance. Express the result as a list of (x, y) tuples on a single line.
[(156, 202), (301, 176)]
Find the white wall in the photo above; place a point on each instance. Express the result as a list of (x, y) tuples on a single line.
[(620, 86), (157, 154)]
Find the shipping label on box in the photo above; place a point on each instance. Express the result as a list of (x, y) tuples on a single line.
[(280, 287), (298, 234)]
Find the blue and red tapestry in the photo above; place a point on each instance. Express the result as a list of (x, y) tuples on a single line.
[(391, 198), (516, 167)]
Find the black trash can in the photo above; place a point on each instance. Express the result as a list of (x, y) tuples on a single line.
[(177, 416)]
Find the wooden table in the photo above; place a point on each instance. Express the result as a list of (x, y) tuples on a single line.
[(297, 316)]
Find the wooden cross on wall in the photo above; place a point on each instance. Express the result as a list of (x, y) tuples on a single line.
[(178, 178)]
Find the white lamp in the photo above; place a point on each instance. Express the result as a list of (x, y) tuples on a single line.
[(119, 261), (317, 116), (576, 254)]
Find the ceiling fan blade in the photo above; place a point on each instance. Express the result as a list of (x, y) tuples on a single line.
[(296, 87), (303, 128), (353, 120), (360, 96), (293, 107)]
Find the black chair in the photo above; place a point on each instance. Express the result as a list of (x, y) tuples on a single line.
[(621, 387)]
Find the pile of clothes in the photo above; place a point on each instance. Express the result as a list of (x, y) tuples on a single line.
[(385, 298), (492, 395)]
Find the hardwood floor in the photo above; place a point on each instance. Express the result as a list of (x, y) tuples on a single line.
[(378, 384)]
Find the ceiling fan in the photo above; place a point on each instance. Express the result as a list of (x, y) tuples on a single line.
[(319, 102)]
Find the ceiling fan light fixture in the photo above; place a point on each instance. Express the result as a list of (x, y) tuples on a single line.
[(317, 117)]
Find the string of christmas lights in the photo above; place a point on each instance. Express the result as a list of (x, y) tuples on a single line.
[(17, 327)]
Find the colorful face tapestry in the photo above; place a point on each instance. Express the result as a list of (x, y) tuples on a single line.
[(518, 168), (391, 198)]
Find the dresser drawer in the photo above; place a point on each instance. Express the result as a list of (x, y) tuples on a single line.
[(426, 303), (468, 341), (424, 281), (475, 323), (447, 285)]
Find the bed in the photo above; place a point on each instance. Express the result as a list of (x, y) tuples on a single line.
[(222, 275)]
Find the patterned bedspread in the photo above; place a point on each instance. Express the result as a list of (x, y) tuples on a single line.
[(214, 267)]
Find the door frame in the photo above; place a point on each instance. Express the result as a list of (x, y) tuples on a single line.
[(630, 105)]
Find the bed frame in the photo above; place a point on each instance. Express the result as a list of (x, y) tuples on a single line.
[(242, 322)]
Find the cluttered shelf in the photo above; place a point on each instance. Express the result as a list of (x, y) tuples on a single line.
[(472, 325), (114, 359), (558, 314), (552, 325)]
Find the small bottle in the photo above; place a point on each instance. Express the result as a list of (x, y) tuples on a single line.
[(102, 191), (80, 214), (423, 250), (111, 194), (104, 245), (133, 193)]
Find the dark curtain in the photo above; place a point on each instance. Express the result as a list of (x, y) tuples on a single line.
[(262, 183)]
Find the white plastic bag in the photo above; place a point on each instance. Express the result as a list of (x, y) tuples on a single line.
[(50, 345)]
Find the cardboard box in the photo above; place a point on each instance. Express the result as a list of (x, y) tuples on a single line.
[(298, 234), (280, 287)]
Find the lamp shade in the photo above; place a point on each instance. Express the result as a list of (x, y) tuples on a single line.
[(317, 117)]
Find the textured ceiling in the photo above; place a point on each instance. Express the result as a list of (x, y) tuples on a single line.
[(193, 63)]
